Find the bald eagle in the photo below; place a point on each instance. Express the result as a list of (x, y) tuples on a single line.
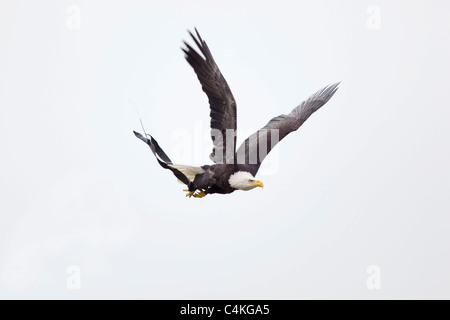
[(232, 169)]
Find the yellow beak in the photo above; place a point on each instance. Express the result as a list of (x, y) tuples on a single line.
[(258, 184)]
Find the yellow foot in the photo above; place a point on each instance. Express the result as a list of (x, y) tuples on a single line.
[(189, 193), (201, 194)]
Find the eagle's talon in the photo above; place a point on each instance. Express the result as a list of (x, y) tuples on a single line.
[(190, 193), (200, 194)]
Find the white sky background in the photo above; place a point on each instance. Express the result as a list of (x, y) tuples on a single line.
[(364, 182)]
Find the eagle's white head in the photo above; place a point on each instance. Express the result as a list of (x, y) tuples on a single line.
[(243, 180)]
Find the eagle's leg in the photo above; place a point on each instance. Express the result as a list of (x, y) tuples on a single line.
[(200, 194), (190, 190), (189, 193)]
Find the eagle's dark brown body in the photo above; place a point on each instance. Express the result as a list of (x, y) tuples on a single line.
[(214, 179)]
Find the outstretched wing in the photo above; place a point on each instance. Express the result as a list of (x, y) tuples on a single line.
[(255, 148), (221, 100)]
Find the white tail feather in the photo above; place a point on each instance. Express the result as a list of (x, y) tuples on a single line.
[(189, 171)]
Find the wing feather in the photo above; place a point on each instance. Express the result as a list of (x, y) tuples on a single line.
[(221, 100), (255, 148)]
